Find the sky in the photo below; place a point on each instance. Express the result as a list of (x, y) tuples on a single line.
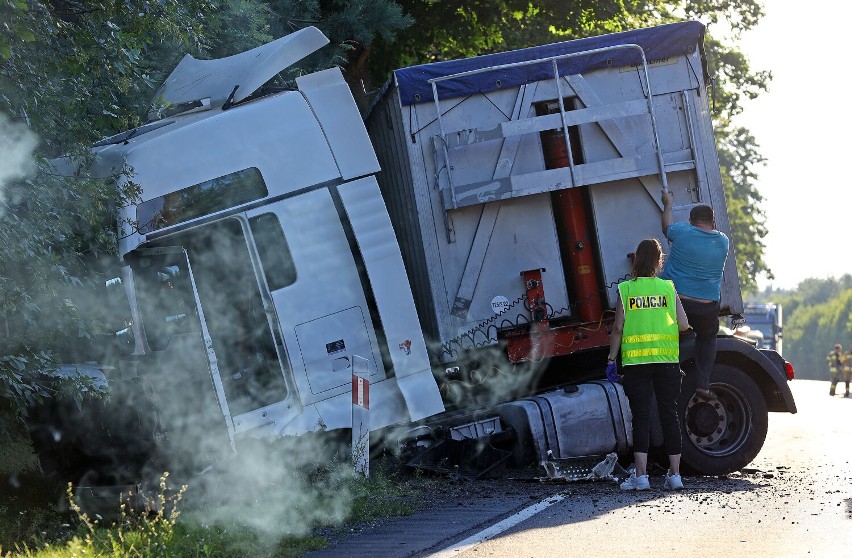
[(803, 128)]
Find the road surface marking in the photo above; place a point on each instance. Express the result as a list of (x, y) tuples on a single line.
[(497, 528)]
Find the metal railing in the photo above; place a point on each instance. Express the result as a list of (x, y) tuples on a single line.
[(554, 62)]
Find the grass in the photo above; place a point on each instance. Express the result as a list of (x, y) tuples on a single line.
[(29, 507), (38, 521)]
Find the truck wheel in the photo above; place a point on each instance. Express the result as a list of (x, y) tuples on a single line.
[(723, 435)]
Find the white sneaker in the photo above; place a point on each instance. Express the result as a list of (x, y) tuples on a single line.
[(636, 483), (673, 482)]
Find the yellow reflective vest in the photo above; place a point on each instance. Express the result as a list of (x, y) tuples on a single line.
[(835, 362), (650, 321)]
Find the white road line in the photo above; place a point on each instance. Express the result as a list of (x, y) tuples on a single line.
[(497, 528)]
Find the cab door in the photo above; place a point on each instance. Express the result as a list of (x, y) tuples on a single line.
[(179, 369), (321, 305), (202, 308)]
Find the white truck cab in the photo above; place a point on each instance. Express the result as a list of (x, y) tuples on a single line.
[(260, 260)]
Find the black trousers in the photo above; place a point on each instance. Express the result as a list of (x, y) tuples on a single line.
[(703, 317), (662, 380)]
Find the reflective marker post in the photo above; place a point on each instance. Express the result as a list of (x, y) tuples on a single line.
[(361, 424)]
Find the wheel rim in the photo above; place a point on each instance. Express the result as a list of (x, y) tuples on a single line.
[(720, 426)]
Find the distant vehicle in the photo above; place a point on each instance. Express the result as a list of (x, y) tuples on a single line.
[(754, 336), (763, 325)]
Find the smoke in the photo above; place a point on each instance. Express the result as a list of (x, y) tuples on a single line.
[(273, 486), (276, 488), (163, 414), (17, 145), (480, 375), (173, 420)]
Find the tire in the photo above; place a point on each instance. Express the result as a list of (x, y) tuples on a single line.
[(723, 435)]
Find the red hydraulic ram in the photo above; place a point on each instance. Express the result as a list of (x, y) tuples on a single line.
[(573, 225)]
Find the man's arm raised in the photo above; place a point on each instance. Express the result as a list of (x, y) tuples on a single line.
[(666, 197)]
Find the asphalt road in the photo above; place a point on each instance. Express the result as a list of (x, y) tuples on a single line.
[(794, 500)]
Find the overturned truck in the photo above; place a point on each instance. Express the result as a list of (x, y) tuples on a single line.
[(460, 248)]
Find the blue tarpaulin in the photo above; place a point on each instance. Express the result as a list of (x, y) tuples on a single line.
[(658, 43)]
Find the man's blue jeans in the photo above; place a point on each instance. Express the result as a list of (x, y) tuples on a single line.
[(703, 317)]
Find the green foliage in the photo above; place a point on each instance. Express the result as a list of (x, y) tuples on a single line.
[(446, 29), (80, 72), (88, 67), (25, 380), (817, 314), (738, 156), (379, 496), (14, 15), (28, 511), (236, 26), (171, 526), (54, 234), (19, 386), (352, 26), (134, 533)]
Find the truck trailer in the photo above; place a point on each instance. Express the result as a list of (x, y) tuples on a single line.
[(458, 247)]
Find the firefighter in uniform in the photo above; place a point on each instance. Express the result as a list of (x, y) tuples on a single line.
[(648, 317), (835, 368), (847, 369)]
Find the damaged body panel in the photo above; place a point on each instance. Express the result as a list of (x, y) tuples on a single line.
[(460, 250), (259, 266)]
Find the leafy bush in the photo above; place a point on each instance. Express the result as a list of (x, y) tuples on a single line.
[(168, 525)]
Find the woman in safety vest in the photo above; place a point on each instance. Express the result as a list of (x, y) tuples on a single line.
[(648, 319)]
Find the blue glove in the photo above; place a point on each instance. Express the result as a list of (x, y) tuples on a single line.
[(612, 372)]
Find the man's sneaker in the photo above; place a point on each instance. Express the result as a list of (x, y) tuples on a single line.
[(636, 483), (673, 482)]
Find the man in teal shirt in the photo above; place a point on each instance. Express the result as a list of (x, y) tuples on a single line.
[(695, 264)]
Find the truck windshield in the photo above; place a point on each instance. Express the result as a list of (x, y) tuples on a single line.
[(229, 293), (201, 199), (118, 317), (166, 299)]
